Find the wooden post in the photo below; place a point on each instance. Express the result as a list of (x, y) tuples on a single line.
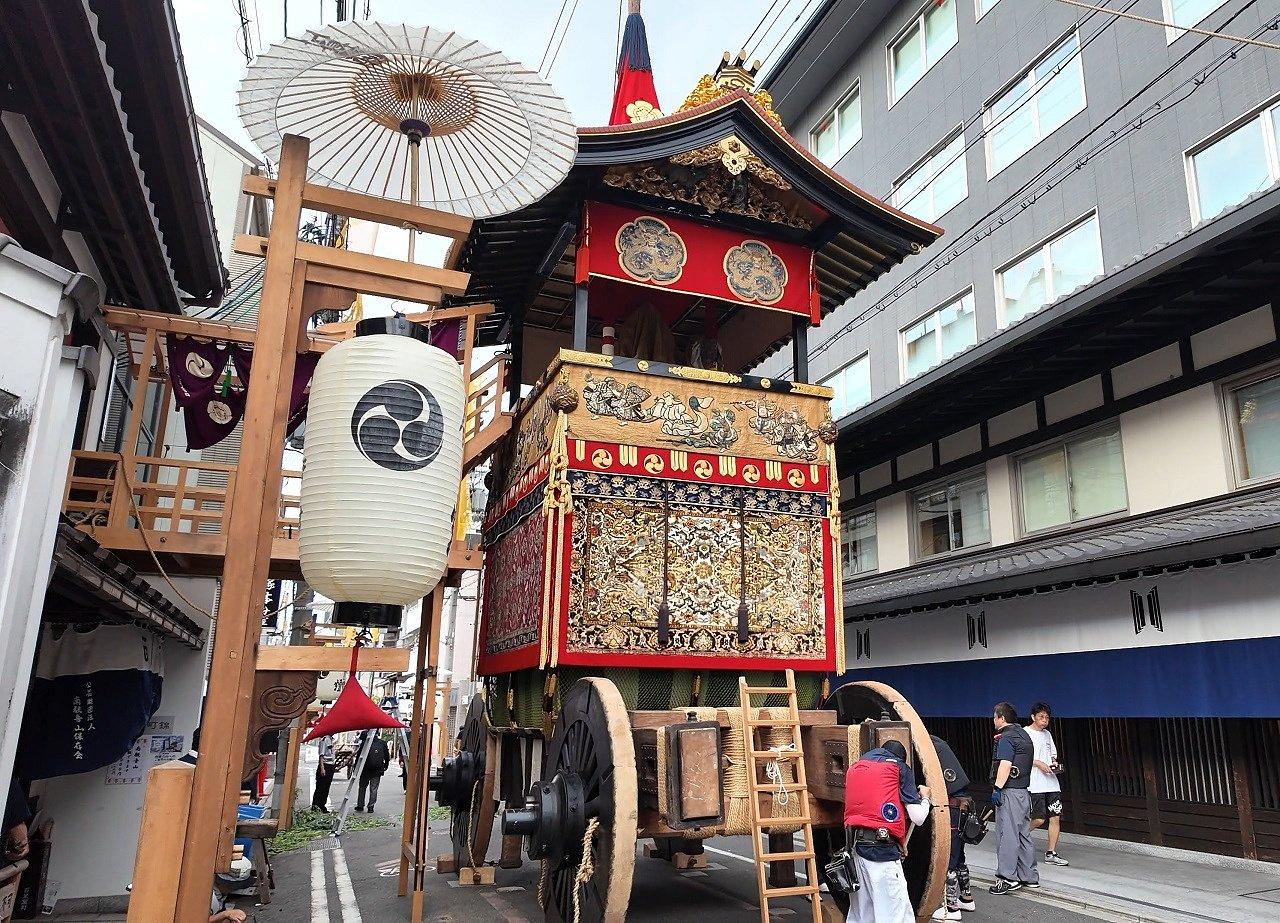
[(1147, 746), (250, 527), (580, 318), (129, 448), (159, 857), (411, 769), (1238, 749), (800, 349), (423, 788), (290, 784)]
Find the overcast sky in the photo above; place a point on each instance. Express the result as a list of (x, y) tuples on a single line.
[(686, 39)]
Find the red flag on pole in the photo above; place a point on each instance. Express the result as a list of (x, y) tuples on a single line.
[(635, 99)]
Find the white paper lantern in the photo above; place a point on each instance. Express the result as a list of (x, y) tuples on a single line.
[(383, 461)]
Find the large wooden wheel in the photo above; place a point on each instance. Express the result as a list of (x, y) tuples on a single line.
[(930, 847), (467, 787), (587, 796)]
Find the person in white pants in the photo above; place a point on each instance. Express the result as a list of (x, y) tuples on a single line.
[(879, 789)]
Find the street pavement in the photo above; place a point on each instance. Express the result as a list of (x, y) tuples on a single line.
[(354, 881)]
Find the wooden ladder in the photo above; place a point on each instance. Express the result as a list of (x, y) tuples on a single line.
[(799, 788)]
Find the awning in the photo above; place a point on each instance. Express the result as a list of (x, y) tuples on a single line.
[(1245, 524), (90, 584)]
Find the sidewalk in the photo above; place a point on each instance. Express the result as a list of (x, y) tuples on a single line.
[(1143, 884)]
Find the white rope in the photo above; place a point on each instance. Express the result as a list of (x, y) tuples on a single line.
[(773, 771)]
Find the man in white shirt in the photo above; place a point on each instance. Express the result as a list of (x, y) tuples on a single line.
[(1046, 791)]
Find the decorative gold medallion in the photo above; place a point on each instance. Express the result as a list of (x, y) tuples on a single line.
[(702, 468), (755, 273), (751, 474), (795, 478), (653, 463), (600, 458), (643, 111), (649, 251)]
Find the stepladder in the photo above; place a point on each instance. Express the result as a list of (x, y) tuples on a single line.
[(776, 772)]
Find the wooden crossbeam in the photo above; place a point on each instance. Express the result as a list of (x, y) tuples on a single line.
[(368, 208), (138, 321), (363, 272), (342, 329), (333, 659)]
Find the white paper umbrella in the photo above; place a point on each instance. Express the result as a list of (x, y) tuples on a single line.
[(488, 135)]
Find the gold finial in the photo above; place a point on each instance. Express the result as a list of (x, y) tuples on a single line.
[(732, 73)]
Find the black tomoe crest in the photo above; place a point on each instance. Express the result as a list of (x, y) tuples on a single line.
[(398, 425)]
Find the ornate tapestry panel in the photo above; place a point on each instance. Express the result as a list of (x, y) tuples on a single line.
[(513, 578), (624, 543)]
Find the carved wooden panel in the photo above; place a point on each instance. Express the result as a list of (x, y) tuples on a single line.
[(279, 696)]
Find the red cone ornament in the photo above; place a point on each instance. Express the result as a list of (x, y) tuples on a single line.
[(354, 710)]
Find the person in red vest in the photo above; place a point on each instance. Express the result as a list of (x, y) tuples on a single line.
[(880, 796)]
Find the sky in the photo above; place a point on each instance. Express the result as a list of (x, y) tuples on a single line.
[(686, 39)]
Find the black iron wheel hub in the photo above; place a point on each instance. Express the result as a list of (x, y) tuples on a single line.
[(552, 821), (458, 775)]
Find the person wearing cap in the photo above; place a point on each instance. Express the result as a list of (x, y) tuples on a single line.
[(881, 795)]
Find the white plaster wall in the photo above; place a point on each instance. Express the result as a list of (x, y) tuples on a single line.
[(1000, 492), (36, 317), (893, 532), (1175, 450), (95, 825)]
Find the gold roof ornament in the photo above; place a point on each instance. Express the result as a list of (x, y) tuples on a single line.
[(731, 74)]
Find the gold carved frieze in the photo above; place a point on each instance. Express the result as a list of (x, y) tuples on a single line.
[(709, 415), (710, 186), (735, 157)]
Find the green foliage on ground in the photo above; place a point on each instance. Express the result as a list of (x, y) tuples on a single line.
[(435, 812), (310, 825)]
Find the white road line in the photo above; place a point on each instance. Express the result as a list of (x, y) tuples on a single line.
[(750, 861), (319, 896), (346, 893)]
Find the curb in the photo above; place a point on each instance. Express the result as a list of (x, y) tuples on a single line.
[(1096, 903)]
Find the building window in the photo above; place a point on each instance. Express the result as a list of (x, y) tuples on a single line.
[(1054, 269), (839, 129), (921, 46), (952, 516), (852, 386), (984, 6), (858, 543), (1038, 103), (1255, 418), (1073, 481), (935, 185), (938, 336), (1187, 13), (1234, 166)]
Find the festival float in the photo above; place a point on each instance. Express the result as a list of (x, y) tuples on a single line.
[(661, 602)]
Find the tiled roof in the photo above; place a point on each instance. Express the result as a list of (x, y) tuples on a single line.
[(1225, 527)]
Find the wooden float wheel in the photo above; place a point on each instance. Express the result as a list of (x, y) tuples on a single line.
[(592, 741), (929, 849), (472, 802)]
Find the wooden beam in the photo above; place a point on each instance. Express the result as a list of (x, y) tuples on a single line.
[(138, 321), (398, 289), (347, 327), (252, 521), (368, 208), (357, 266), (333, 659)]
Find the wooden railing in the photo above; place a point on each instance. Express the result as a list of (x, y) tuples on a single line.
[(484, 421), (105, 493)]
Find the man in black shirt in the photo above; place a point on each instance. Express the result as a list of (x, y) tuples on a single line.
[(375, 764), (1010, 775)]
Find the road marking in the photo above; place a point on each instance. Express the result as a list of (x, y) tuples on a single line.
[(733, 855), (319, 896), (346, 893)]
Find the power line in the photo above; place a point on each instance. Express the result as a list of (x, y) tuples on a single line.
[(746, 45), (1008, 207), (552, 37), (563, 35), (785, 32), (1173, 25)]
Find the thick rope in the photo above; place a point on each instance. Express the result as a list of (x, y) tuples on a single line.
[(471, 826), (586, 869)]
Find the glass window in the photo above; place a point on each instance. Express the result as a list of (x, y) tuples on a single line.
[(924, 43), (938, 336), (1255, 413), (1188, 13), (839, 130), (1052, 270), (935, 185), (984, 6), (858, 543), (952, 516), (852, 386), (1228, 170), (1073, 481), (1042, 100)]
